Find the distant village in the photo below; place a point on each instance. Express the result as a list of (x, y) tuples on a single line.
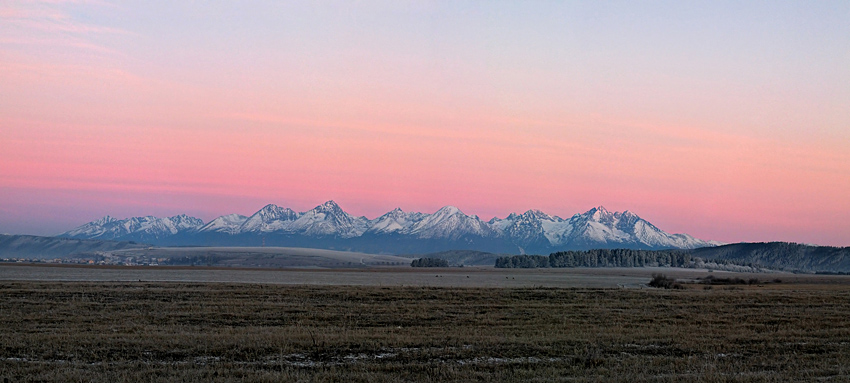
[(93, 259)]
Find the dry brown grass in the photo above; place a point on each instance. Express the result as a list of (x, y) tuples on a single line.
[(123, 332)]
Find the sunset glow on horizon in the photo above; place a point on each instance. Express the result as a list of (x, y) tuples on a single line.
[(726, 121)]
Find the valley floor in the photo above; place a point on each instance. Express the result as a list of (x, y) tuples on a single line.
[(260, 332), (394, 276)]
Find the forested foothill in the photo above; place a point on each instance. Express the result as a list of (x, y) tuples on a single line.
[(744, 257)]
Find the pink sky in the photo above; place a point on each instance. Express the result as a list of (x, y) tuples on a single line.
[(157, 109)]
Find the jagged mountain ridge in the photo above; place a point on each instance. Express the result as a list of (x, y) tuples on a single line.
[(143, 229), (329, 226)]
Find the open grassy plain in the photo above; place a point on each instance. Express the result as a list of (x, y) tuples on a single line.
[(389, 275), (218, 332)]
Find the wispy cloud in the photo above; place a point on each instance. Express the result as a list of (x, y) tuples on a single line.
[(39, 23), (94, 2), (61, 24), (70, 42)]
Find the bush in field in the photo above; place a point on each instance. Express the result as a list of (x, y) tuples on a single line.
[(661, 281), (429, 262), (712, 280)]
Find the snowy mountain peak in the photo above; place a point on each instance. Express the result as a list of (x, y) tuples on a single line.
[(396, 213), (627, 219), (226, 224), (270, 218), (394, 221), (328, 219), (599, 214), (184, 221), (106, 219), (330, 206), (273, 212), (327, 211), (537, 214), (270, 211), (136, 228), (450, 223), (599, 210), (448, 210)]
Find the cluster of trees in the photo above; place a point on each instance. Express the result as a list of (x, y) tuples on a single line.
[(600, 258), (429, 262), (522, 262)]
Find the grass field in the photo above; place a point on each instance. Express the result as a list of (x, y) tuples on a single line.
[(208, 332), (390, 276)]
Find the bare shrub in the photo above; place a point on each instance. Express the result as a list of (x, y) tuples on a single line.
[(661, 281)]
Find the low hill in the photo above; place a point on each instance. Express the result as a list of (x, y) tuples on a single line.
[(265, 257), (35, 247)]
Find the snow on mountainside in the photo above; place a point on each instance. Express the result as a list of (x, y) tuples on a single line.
[(449, 223), (270, 218), (225, 224), (531, 232), (600, 228), (94, 229), (136, 228), (396, 221), (329, 219)]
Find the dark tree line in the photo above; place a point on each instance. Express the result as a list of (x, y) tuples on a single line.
[(523, 262), (600, 258), (429, 262), (782, 256)]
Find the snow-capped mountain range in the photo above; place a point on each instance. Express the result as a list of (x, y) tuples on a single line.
[(145, 229), (329, 226)]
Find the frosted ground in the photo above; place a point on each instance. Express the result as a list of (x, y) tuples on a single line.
[(387, 276)]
